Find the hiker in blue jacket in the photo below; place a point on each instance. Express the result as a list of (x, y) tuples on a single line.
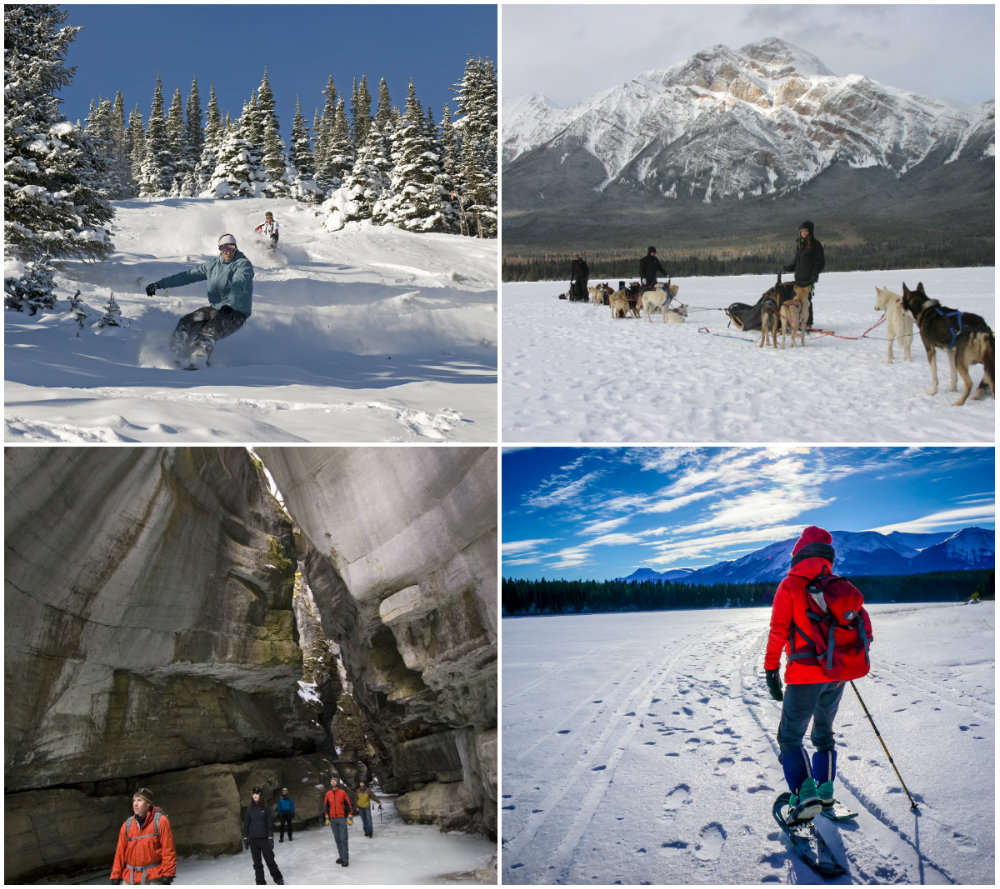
[(230, 297), (286, 812)]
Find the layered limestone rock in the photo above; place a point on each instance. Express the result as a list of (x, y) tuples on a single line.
[(409, 540), (153, 620)]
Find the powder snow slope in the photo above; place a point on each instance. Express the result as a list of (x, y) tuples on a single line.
[(573, 373), (640, 749), (369, 334)]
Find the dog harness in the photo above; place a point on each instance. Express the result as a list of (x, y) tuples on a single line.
[(954, 313)]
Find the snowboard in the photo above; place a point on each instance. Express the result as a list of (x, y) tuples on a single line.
[(806, 841)]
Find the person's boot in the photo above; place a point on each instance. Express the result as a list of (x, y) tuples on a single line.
[(804, 803), (824, 767)]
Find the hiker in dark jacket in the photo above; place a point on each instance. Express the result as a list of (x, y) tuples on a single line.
[(808, 263), (258, 837), (579, 273), (286, 813), (649, 265)]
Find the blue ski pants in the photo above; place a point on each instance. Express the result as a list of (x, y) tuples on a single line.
[(818, 702), (339, 828)]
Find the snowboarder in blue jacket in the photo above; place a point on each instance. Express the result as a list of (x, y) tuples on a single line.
[(230, 297)]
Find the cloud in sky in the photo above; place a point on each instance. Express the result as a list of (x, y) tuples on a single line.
[(568, 52), (603, 512)]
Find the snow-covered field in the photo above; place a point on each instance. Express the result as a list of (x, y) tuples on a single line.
[(369, 334), (640, 748), (572, 373), (398, 854)]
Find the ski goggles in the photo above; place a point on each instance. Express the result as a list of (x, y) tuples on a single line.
[(227, 248)]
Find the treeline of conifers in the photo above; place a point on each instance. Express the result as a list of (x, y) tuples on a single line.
[(521, 598), (613, 266)]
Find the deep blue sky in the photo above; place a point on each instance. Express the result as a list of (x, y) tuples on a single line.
[(603, 512), (125, 46)]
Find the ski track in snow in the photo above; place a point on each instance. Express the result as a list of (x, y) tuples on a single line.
[(573, 373), (641, 749)]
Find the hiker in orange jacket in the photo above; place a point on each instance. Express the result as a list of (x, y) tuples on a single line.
[(338, 808), (145, 852), (809, 694)]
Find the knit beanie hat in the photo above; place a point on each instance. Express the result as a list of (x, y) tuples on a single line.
[(227, 239), (144, 793), (808, 226), (814, 542)]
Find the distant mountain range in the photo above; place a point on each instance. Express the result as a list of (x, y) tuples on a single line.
[(734, 144), (864, 553)]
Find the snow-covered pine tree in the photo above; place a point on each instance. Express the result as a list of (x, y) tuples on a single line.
[(273, 156), (477, 123), (176, 140), (112, 316), (122, 148), (53, 202), (369, 177), (194, 141), (384, 112), (448, 142), (251, 127), (361, 113), (157, 172), (323, 129), (212, 142), (304, 186), (136, 147), (339, 157), (234, 174), (35, 290), (416, 198)]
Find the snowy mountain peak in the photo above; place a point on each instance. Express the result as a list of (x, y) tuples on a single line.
[(779, 58)]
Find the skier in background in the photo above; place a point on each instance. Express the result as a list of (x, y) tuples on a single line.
[(268, 230), (365, 797), (145, 851), (230, 297)]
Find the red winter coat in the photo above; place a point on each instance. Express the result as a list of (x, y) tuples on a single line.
[(337, 804), (139, 847), (790, 606)]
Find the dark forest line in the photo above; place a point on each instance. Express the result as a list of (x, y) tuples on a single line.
[(522, 598)]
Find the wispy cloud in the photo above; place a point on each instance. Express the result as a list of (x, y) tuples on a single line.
[(985, 512)]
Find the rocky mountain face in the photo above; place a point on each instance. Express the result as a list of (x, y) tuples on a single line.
[(859, 553), (168, 624), (751, 132)]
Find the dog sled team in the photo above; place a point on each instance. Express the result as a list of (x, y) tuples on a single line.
[(787, 308)]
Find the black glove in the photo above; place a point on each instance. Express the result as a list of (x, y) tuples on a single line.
[(246, 843), (116, 882), (151, 289), (166, 880), (773, 678)]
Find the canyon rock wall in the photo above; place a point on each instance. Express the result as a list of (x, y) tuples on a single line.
[(156, 631)]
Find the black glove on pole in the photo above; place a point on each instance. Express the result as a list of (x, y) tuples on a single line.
[(151, 289)]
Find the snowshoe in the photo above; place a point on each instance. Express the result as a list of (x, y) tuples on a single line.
[(805, 805), (806, 841), (837, 811)]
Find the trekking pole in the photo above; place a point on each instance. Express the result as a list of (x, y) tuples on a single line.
[(913, 804)]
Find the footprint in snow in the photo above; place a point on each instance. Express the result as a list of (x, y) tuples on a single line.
[(679, 796), (711, 840)]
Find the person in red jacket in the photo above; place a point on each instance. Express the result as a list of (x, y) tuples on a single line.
[(809, 695), (338, 808), (145, 852)]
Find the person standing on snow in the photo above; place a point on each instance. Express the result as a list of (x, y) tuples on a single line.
[(649, 265), (338, 808), (258, 837), (579, 274), (286, 813), (268, 230), (230, 297), (808, 694), (808, 263), (145, 851), (365, 797)]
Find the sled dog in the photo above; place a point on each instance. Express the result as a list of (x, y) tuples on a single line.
[(793, 314), (769, 322), (899, 324), (656, 299), (599, 294), (966, 338), (619, 304)]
